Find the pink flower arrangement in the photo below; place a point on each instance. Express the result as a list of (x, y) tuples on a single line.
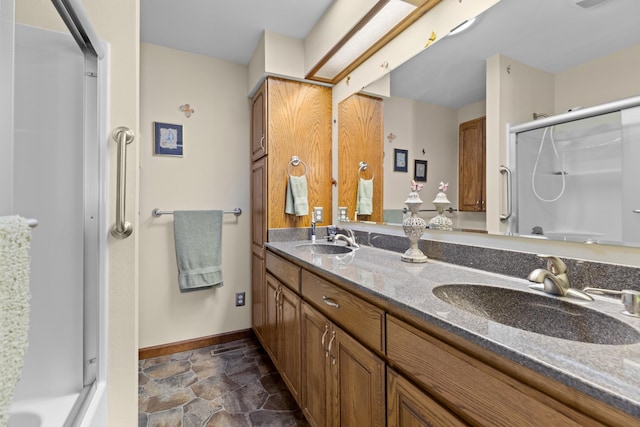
[(415, 186), (443, 187)]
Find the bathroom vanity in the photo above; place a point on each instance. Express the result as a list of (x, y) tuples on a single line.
[(362, 339)]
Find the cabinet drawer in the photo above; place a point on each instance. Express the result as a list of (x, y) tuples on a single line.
[(361, 319), (288, 273), (476, 392)]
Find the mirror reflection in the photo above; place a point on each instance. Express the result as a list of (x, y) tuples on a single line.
[(518, 61)]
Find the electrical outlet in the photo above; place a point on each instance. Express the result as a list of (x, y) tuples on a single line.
[(317, 215), (342, 214), (239, 299)]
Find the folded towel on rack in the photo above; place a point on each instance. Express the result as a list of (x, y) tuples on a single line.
[(15, 242), (297, 202), (365, 197), (198, 236)]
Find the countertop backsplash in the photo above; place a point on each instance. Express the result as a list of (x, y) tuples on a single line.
[(512, 263)]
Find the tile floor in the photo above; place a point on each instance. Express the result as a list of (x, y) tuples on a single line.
[(232, 384)]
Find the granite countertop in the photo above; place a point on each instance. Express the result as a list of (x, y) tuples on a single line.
[(610, 373)]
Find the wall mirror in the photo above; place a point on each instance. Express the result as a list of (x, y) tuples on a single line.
[(588, 52)]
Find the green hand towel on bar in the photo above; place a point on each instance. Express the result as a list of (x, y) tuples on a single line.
[(296, 202), (198, 236), (365, 197)]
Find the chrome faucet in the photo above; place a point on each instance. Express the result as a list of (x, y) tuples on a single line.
[(350, 239), (554, 279)]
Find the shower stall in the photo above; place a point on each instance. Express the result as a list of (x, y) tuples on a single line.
[(53, 169), (576, 175)]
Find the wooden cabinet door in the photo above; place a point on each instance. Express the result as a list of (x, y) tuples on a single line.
[(408, 406), (289, 339), (257, 295), (258, 206), (471, 177), (316, 331), (361, 136), (359, 384), (259, 123), (272, 293)]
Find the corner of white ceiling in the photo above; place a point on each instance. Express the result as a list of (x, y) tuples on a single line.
[(336, 22)]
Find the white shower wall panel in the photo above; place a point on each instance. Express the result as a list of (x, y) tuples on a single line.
[(48, 185)]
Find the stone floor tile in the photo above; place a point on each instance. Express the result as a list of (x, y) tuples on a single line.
[(167, 369), (277, 419), (281, 402), (223, 418), (166, 401), (202, 409), (208, 368), (273, 383), (227, 385), (214, 387), (143, 418), (249, 398), (168, 418), (170, 384)]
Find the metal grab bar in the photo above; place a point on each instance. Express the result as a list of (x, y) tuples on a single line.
[(503, 170), (157, 212), (122, 228)]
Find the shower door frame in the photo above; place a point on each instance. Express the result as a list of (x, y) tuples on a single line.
[(514, 130), (90, 407)]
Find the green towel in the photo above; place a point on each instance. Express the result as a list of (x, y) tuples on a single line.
[(296, 202), (365, 196), (198, 236)]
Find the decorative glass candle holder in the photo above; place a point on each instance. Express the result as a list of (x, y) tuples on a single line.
[(440, 221), (413, 227)]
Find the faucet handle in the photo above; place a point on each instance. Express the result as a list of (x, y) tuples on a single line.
[(554, 264)]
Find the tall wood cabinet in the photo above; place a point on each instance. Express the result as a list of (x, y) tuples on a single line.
[(471, 163), (360, 139), (287, 119), (282, 331)]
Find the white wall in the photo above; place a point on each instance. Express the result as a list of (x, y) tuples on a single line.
[(433, 128), (212, 174), (603, 80)]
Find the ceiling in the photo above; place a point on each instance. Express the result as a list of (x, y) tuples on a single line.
[(225, 29), (551, 35)]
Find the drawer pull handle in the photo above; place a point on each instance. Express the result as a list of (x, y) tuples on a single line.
[(330, 302), (326, 330)]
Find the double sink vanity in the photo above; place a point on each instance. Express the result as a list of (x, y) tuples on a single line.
[(444, 344)]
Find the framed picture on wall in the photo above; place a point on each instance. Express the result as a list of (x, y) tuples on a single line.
[(400, 160), (420, 171), (167, 139)]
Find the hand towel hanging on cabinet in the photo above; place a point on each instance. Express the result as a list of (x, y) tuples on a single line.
[(364, 205), (297, 202)]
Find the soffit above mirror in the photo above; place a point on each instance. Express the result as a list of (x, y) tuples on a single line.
[(385, 20)]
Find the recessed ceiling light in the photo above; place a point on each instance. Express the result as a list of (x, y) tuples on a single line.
[(462, 27)]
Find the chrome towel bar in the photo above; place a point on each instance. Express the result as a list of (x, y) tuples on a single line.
[(157, 212), (122, 228)]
